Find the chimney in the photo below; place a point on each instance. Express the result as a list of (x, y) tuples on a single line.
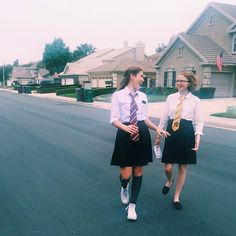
[(140, 51), (125, 44)]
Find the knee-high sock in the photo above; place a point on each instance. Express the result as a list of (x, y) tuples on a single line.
[(135, 188), (124, 182)]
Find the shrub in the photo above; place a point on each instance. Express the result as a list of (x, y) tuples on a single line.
[(66, 91), (207, 92), (53, 89)]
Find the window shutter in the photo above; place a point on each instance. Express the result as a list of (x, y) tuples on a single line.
[(173, 78), (165, 78)]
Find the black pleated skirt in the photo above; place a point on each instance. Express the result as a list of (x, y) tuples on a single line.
[(178, 146), (128, 153)]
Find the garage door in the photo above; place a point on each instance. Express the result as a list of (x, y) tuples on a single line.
[(223, 84)]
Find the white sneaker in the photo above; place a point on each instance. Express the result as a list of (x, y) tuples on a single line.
[(132, 215), (124, 195)]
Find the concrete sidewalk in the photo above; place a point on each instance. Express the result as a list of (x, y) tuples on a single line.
[(209, 106)]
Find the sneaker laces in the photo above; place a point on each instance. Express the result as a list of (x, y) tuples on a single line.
[(131, 206)]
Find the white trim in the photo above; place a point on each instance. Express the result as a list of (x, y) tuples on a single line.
[(234, 44)]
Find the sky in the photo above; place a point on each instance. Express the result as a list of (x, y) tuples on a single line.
[(27, 25)]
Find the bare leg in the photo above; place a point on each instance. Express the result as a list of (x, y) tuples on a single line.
[(180, 181), (126, 172), (169, 174)]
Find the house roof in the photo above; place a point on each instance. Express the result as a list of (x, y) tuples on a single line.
[(121, 65), (100, 57), (43, 72), (227, 10), (206, 48), (22, 72), (202, 46)]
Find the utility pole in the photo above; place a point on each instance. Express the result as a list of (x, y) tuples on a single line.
[(3, 75)]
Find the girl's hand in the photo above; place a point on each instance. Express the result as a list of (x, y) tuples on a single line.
[(132, 129), (162, 133), (158, 140), (197, 142)]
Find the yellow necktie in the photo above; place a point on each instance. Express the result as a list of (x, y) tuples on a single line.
[(178, 112)]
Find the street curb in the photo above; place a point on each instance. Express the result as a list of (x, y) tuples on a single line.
[(214, 124)]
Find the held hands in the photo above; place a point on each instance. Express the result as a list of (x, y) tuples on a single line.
[(197, 142), (162, 133), (132, 129)]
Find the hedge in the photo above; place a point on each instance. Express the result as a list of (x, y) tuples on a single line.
[(205, 92), (66, 91), (55, 88), (165, 91)]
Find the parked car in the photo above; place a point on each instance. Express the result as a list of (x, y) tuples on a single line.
[(47, 83)]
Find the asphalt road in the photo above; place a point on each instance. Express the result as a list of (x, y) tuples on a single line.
[(55, 177)]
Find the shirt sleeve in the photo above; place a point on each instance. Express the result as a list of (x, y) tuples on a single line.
[(198, 120), (145, 109), (115, 108), (165, 115)]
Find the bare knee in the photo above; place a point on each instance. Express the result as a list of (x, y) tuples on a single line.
[(168, 168), (126, 172), (138, 171)]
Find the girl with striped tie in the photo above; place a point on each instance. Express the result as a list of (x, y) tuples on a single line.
[(184, 121), (132, 148)]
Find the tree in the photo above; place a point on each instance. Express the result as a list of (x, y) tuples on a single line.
[(7, 72), (16, 62), (83, 50), (161, 47), (56, 55)]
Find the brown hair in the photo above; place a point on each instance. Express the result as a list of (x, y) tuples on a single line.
[(125, 81), (191, 78)]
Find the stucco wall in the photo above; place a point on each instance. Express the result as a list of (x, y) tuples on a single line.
[(188, 59), (217, 31)]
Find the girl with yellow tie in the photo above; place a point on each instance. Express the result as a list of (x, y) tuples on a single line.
[(184, 121)]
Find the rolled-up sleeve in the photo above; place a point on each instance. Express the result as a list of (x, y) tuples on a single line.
[(198, 120), (145, 109), (165, 115), (115, 108)]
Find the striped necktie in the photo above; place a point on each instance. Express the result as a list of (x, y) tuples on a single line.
[(178, 112), (133, 116)]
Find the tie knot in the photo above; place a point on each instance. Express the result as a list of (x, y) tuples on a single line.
[(182, 98), (133, 95)]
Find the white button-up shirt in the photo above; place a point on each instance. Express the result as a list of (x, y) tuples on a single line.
[(120, 109), (191, 111)]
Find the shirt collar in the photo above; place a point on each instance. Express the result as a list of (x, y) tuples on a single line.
[(128, 91), (187, 96)]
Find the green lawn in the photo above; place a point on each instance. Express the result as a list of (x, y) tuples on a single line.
[(222, 114), (69, 95)]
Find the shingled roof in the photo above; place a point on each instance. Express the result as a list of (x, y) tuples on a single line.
[(120, 65), (206, 48)]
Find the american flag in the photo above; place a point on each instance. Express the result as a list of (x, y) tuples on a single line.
[(219, 61)]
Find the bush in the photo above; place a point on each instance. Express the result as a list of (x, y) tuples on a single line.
[(54, 88), (165, 91), (66, 91), (207, 92)]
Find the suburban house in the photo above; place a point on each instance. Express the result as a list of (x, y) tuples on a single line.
[(105, 68), (212, 34), (25, 75)]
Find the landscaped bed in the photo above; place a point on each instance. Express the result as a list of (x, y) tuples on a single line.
[(223, 115)]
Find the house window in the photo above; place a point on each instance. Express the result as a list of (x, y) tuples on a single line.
[(211, 20), (180, 51), (169, 78), (234, 44)]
